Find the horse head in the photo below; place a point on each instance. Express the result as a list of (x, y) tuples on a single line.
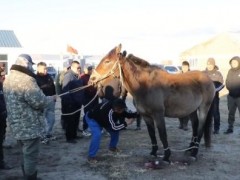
[(108, 67)]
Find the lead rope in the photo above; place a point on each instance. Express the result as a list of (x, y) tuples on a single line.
[(74, 90), (67, 114)]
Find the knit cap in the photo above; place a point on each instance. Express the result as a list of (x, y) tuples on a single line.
[(211, 61)]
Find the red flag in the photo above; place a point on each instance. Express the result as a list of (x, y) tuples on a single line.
[(71, 50)]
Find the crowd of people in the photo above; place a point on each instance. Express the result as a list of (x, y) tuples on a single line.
[(27, 105)]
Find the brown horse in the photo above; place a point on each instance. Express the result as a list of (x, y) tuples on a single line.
[(158, 94)]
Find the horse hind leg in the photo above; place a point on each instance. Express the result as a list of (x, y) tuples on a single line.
[(194, 144), (151, 131), (201, 124)]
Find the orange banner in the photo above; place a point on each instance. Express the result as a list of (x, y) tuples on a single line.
[(71, 50)]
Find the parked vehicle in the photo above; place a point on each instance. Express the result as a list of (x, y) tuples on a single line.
[(51, 71), (172, 69)]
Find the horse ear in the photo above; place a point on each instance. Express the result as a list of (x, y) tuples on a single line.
[(124, 53), (118, 48)]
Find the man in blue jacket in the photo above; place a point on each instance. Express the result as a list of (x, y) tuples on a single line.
[(72, 101)]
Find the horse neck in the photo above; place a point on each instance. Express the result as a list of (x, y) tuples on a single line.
[(129, 80)]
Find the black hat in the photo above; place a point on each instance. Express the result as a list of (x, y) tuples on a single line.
[(26, 57), (119, 103), (89, 68)]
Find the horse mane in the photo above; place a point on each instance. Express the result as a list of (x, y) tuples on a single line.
[(138, 61), (142, 63)]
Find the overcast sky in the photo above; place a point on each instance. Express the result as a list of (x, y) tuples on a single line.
[(150, 29)]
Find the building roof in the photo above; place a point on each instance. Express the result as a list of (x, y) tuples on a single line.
[(9, 39)]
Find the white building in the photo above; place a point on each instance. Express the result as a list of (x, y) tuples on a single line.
[(10, 48)]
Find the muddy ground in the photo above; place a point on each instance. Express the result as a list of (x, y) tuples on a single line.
[(62, 161)]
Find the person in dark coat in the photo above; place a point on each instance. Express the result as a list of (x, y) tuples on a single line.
[(217, 78), (3, 123), (233, 86), (46, 84), (89, 94), (59, 82), (107, 115), (72, 102), (183, 122)]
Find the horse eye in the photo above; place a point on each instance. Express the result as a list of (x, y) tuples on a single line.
[(107, 61)]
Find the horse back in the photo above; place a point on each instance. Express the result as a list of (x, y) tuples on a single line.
[(176, 95)]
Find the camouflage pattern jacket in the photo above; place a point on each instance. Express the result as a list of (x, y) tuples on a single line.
[(25, 102)]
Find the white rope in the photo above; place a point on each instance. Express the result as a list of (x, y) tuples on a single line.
[(182, 150), (68, 114), (74, 90)]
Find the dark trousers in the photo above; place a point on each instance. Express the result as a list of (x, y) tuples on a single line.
[(216, 113), (138, 121), (233, 104), (3, 126), (71, 123)]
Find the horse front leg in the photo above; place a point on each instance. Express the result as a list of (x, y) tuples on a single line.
[(194, 120), (160, 121), (151, 131)]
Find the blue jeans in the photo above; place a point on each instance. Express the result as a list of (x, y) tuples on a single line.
[(49, 114), (96, 137)]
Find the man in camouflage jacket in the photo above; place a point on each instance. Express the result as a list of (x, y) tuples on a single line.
[(25, 103)]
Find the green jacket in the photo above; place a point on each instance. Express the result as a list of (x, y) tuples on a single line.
[(25, 102)]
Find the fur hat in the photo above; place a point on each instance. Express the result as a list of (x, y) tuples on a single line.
[(211, 61), (234, 58)]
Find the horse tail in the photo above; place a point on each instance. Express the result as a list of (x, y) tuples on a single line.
[(208, 127)]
